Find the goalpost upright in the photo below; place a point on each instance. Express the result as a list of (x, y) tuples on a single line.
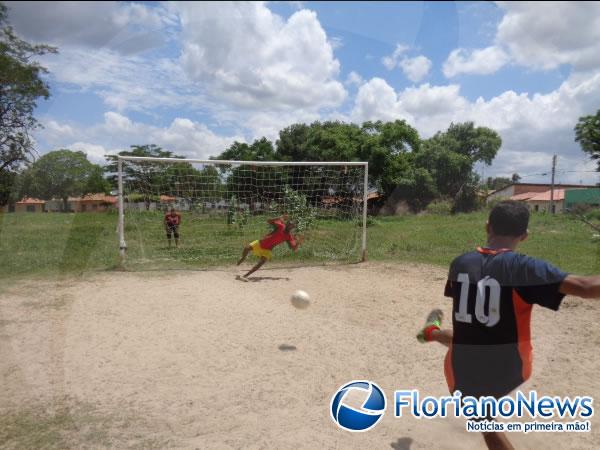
[(121, 226), (216, 163)]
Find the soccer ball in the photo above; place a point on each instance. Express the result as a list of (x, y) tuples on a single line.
[(300, 300)]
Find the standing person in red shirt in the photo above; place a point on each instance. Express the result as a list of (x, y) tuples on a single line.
[(172, 222), (281, 233)]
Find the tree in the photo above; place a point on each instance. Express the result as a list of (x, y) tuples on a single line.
[(587, 133), (450, 157), (140, 171), (388, 147), (260, 150), (62, 174), (321, 141), (183, 180), (417, 187), (515, 178), (499, 182), (466, 199), (150, 177), (449, 169), (479, 144), (291, 143), (297, 207), (251, 182), (21, 85)]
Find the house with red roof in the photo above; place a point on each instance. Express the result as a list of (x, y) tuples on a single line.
[(28, 204), (536, 195)]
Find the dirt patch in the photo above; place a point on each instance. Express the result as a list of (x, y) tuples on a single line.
[(200, 360)]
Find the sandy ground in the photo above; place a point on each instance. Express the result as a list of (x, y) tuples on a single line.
[(197, 359)]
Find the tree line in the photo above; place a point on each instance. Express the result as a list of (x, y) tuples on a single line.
[(401, 164)]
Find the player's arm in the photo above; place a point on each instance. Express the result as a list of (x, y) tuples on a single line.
[(584, 287), (275, 220), (296, 242)]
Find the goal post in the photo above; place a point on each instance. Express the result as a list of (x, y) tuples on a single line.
[(225, 204)]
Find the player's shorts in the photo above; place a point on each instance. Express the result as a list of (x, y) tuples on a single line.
[(476, 388), (173, 230), (257, 250)]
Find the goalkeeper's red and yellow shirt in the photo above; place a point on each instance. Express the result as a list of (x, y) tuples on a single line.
[(278, 236), (493, 293)]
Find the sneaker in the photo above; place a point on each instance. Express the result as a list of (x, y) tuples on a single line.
[(434, 318)]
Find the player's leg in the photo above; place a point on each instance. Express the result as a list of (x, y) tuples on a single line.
[(169, 236), (176, 235), (247, 249), (444, 337), (258, 265), (497, 441), (432, 332)]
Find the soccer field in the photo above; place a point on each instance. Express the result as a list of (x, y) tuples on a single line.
[(153, 357), (196, 359)]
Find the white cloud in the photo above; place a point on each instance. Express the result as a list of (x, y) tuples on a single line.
[(125, 82), (536, 167), (391, 62), (53, 128), (426, 100), (545, 35), (269, 124), (95, 153), (296, 4), (482, 62), (377, 100), (354, 79), (336, 42), (117, 132), (125, 27), (537, 35), (532, 126), (237, 62), (253, 58), (416, 68)]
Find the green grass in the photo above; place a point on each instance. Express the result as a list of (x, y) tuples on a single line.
[(54, 244), (76, 426), (439, 239)]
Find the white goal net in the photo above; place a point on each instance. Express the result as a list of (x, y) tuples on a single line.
[(224, 205)]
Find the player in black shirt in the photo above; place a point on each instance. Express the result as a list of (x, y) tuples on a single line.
[(493, 291)]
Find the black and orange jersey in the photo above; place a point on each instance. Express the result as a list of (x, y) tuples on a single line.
[(493, 293)]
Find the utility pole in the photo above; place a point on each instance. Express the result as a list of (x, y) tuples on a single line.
[(552, 185)]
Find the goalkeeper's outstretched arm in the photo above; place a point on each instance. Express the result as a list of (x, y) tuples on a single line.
[(296, 242), (282, 218)]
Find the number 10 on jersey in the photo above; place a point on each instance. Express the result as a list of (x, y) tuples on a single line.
[(483, 285)]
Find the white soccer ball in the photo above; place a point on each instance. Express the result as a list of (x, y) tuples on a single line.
[(300, 300)]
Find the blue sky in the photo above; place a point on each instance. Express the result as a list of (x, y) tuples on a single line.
[(195, 76)]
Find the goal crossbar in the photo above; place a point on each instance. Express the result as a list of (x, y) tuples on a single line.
[(248, 163)]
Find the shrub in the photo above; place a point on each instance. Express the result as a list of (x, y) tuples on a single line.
[(440, 207), (297, 207)]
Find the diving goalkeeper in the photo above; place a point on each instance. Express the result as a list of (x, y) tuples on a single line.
[(282, 232)]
